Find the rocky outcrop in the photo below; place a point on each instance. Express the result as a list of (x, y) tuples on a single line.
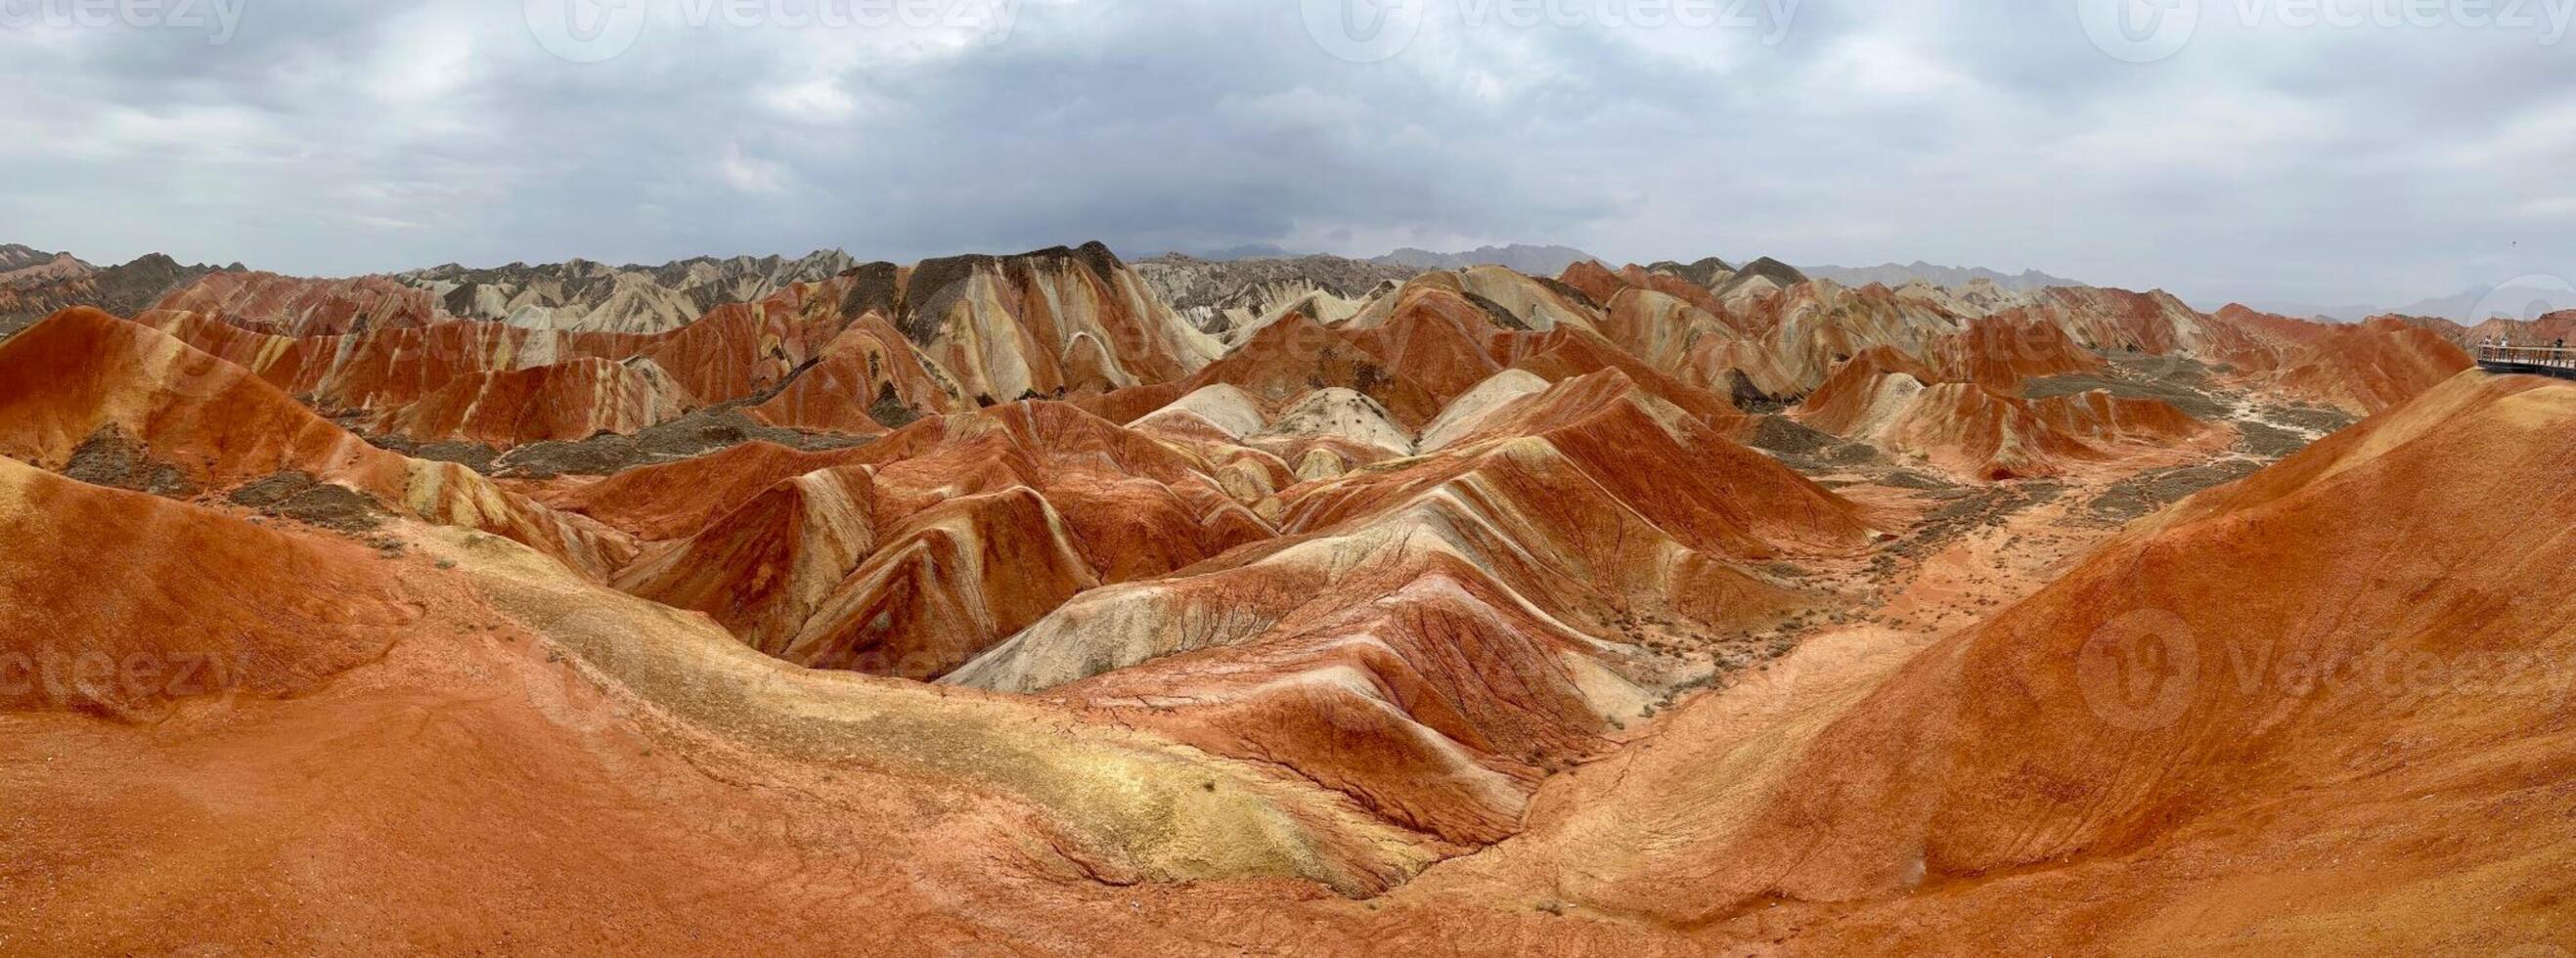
[(1979, 432), (37, 291), (216, 427), (2212, 700), (296, 307), (584, 296)]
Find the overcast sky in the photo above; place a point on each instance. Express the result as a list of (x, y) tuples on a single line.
[(2262, 157)]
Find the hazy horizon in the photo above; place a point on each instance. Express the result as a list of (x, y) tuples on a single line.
[(2260, 159)]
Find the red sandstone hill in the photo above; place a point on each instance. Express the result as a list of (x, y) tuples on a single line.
[(83, 382), (997, 547), (561, 401), (1219, 645), (1973, 430), (674, 500), (2374, 366), (2204, 732), (1045, 323), (1815, 327), (1430, 342), (123, 603), (947, 335), (1602, 286), (2549, 328), (2000, 339), (733, 352), (478, 712), (2001, 353), (910, 556), (293, 306), (870, 349), (1425, 636), (868, 379), (46, 286), (2360, 368)]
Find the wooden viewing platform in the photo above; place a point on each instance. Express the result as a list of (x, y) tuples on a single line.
[(2531, 360)]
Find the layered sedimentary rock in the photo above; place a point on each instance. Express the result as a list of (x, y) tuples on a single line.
[(1231, 298), (592, 297), (22, 267), (2545, 329), (868, 379), (1693, 286), (205, 605), (84, 390), (2268, 686), (2361, 369), (1016, 548), (1223, 649), (947, 336), (41, 289), (1976, 431), (909, 556), (872, 347), (444, 709), (294, 306), (562, 401), (1816, 327), (1045, 323), (1458, 621)]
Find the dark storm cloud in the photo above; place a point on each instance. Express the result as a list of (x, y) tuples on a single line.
[(2260, 162)]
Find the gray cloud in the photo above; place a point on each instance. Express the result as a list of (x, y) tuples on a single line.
[(2323, 164)]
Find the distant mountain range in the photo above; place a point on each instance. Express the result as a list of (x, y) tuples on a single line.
[(15, 257), (46, 280), (35, 283), (1892, 274), (2518, 302), (1552, 260), (1533, 260), (1247, 251), (2353, 314)]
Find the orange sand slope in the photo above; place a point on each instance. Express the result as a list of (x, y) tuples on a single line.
[(203, 424), (2324, 708), (200, 605), (2261, 780), (1459, 618), (1974, 430), (481, 713)]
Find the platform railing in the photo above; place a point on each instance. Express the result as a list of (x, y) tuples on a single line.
[(2505, 357)]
